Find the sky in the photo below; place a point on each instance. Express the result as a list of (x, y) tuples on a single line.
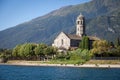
[(14, 12)]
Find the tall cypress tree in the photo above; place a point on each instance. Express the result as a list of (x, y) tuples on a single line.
[(84, 44)]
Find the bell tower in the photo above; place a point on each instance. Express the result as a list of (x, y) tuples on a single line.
[(80, 25)]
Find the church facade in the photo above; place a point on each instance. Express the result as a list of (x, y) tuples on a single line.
[(67, 41)]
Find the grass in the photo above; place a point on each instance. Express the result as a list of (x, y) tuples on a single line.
[(49, 62), (67, 62), (103, 62), (24, 61)]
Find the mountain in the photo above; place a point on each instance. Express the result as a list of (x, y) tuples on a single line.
[(102, 20)]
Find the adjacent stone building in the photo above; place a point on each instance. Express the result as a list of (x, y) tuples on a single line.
[(67, 41)]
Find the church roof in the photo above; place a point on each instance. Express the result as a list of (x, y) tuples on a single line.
[(73, 36), (81, 15), (76, 37)]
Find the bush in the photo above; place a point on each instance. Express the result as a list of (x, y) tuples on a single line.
[(80, 54), (3, 58)]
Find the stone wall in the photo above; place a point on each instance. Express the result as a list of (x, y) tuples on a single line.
[(62, 41)]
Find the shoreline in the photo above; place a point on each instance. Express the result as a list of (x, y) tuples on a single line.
[(27, 63)]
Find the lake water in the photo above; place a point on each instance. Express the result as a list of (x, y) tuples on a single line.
[(10, 72)]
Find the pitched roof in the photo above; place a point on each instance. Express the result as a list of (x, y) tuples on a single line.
[(76, 37), (73, 36)]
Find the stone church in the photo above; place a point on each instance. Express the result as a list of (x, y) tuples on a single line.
[(68, 41)]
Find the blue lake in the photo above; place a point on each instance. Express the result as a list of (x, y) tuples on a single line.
[(10, 72)]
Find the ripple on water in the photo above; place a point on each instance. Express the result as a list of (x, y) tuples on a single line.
[(9, 72)]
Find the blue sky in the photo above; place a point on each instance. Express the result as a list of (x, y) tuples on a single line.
[(14, 12)]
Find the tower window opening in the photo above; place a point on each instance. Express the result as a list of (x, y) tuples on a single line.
[(81, 22), (78, 22)]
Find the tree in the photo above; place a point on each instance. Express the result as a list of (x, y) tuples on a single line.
[(21, 51), (100, 47), (118, 51), (47, 51), (50, 51), (3, 58), (87, 45), (84, 44), (54, 50), (16, 51), (111, 44), (117, 42), (31, 51), (39, 50), (28, 50)]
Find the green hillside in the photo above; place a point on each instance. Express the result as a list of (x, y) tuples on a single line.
[(102, 20)]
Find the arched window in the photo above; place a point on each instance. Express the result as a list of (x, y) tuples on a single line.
[(62, 41), (78, 22), (81, 22)]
